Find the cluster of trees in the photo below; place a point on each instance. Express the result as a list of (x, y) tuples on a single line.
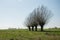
[(39, 16)]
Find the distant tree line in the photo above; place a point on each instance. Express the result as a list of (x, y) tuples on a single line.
[(39, 16)]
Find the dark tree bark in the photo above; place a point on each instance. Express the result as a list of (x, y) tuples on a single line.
[(32, 28), (41, 27), (35, 28), (29, 28)]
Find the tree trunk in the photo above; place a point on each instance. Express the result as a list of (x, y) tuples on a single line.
[(41, 27), (29, 28), (32, 28), (35, 28)]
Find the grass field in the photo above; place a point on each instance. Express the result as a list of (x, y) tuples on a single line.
[(24, 34)]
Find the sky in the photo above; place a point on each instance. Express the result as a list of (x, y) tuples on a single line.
[(14, 12)]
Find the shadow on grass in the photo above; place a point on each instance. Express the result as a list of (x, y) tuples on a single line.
[(50, 31), (47, 31)]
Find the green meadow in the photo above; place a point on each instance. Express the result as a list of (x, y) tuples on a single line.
[(24, 34)]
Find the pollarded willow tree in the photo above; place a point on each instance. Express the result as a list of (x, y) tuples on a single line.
[(39, 16), (43, 16), (31, 22)]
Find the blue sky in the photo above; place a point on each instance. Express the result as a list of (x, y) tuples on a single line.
[(14, 12)]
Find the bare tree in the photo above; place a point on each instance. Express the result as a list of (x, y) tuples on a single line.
[(28, 23), (34, 17), (39, 16), (43, 15), (31, 21)]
